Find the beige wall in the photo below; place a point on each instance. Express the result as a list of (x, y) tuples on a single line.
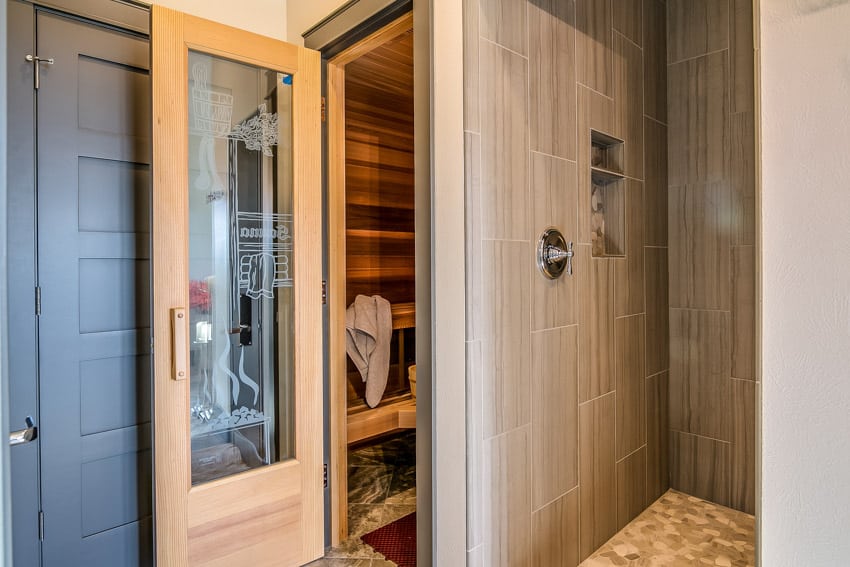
[(805, 129), (712, 250), (302, 15), (566, 379), (266, 17)]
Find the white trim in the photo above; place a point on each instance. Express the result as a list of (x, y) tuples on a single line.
[(448, 291)]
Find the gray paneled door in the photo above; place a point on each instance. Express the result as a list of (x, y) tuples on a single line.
[(92, 218)]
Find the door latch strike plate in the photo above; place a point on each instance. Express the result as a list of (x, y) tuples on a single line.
[(38, 300), (40, 525)]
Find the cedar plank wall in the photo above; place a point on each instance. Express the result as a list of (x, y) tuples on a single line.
[(712, 250), (379, 173), (566, 380), (379, 179)]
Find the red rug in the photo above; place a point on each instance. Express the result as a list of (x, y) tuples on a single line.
[(396, 541)]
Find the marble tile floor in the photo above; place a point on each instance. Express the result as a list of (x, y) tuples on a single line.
[(681, 530), (381, 489)]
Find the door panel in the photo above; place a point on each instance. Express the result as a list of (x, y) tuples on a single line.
[(237, 272), (94, 272), (20, 231)]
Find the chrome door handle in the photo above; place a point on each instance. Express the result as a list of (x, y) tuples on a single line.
[(24, 436), (38, 61)]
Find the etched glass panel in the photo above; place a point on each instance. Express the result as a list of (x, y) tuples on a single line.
[(240, 267)]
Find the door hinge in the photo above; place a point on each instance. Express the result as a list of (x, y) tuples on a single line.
[(324, 291), (324, 110), (40, 525), (325, 475), (37, 301)]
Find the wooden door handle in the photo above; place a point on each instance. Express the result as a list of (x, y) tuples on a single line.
[(179, 344)]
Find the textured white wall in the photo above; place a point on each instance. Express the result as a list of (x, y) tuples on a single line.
[(805, 54), (266, 17), (304, 14)]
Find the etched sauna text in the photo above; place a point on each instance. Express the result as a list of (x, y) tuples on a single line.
[(264, 250)]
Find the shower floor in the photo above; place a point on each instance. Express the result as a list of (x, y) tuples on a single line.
[(679, 529)]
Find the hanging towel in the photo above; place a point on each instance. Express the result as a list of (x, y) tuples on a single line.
[(369, 328)]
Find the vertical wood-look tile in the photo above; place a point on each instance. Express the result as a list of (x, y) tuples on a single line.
[(743, 312), (631, 487), (742, 55), (628, 271), (655, 184), (657, 311), (657, 436), (655, 59), (506, 337), (555, 533), (593, 44), (698, 91), (627, 90), (627, 17), (596, 324), (474, 445), (630, 381), (507, 499), (504, 22), (743, 475), (552, 93), (596, 112), (470, 66), (554, 413), (700, 365), (742, 175), (696, 27), (472, 205), (700, 253), (553, 203), (504, 143), (699, 466), (598, 482)]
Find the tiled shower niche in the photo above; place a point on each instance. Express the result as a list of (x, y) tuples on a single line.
[(607, 196)]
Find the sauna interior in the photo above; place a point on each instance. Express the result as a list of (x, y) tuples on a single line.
[(379, 235)]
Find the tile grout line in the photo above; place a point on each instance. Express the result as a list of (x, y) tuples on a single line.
[(600, 396), (695, 57), (572, 161), (698, 435), (617, 462), (499, 45), (652, 118)]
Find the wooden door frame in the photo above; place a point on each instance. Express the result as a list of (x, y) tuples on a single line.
[(337, 373), (182, 511)]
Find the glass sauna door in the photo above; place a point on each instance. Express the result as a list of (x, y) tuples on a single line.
[(240, 266), (237, 296)]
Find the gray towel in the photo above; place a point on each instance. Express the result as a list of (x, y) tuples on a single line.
[(369, 328)]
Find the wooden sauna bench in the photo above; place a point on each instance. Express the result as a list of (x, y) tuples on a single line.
[(394, 412)]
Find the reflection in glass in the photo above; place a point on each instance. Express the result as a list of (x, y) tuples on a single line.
[(240, 267)]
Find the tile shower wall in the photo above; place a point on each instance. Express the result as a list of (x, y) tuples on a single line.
[(567, 380), (712, 257)]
